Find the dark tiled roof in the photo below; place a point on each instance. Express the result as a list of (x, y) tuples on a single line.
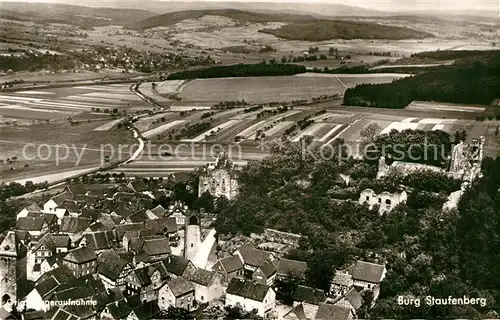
[(53, 241), (159, 211), (97, 226), (74, 224), (101, 240), (180, 286), (247, 289), (294, 268), (119, 309), (30, 223), (139, 216), (309, 295), (268, 268), (176, 264), (70, 206), (80, 255), (143, 276), (354, 298), (252, 256), (199, 276), (159, 226), (33, 315), (60, 198), (329, 312), (147, 311), (367, 271), (139, 185), (231, 264), (33, 207), (157, 246), (76, 189), (92, 214), (122, 228), (61, 274), (47, 286), (110, 265)]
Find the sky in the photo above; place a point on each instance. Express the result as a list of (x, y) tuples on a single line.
[(382, 5)]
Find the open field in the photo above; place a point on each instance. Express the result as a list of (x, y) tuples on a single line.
[(62, 103), (162, 128), (265, 89), (439, 106)]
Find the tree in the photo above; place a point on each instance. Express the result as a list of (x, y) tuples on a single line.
[(284, 59), (331, 51)]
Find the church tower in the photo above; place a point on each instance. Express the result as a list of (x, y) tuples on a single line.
[(192, 236), (8, 268)]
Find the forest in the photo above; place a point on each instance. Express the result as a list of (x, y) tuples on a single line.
[(427, 251), (240, 70), (470, 80)]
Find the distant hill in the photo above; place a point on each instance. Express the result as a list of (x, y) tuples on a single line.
[(319, 30), (71, 14), (172, 18)]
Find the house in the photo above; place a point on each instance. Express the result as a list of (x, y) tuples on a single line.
[(291, 269), (309, 298), (51, 205), (229, 267), (45, 286), (251, 295), (46, 247), (99, 241), (148, 310), (367, 275), (31, 208), (265, 273), (156, 213), (352, 300), (179, 211), (138, 185), (35, 226), (112, 269), (341, 283), (74, 190), (116, 310), (74, 227), (208, 284), (252, 258), (385, 201), (138, 282), (177, 292), (176, 266), (81, 261), (71, 207), (157, 249), (328, 312)]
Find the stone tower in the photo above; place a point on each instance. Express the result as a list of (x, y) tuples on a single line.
[(219, 178), (192, 236), (8, 268)]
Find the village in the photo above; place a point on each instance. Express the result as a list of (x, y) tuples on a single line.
[(107, 249)]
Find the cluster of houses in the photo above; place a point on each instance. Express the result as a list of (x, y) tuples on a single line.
[(121, 256)]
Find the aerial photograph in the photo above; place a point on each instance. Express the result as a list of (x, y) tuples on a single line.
[(258, 159)]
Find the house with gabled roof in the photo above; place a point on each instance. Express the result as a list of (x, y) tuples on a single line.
[(291, 269), (156, 213), (177, 292), (117, 310), (253, 258), (157, 249), (35, 226), (72, 208), (176, 266), (45, 286), (58, 313), (265, 273), (309, 298), (89, 213), (251, 295), (229, 267), (179, 211), (164, 226), (51, 206), (112, 269), (74, 227), (47, 246), (208, 284), (351, 300), (81, 261), (367, 275), (328, 312), (31, 208), (100, 240), (148, 310), (74, 190), (138, 185), (138, 282)]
